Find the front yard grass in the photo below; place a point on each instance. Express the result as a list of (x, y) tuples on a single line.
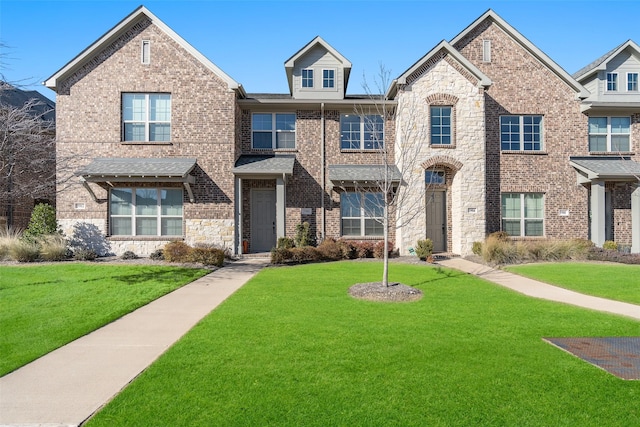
[(292, 348), (614, 281), (44, 307)]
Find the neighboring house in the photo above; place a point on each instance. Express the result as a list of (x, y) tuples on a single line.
[(174, 148), (27, 148)]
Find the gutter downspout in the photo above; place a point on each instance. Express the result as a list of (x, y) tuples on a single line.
[(322, 173)]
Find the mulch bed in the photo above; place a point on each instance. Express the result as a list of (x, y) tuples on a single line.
[(376, 291)]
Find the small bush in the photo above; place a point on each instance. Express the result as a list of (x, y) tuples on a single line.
[(280, 255), (157, 255), (9, 236), (501, 236), (24, 251), (500, 251), (176, 251), (330, 250), (378, 250), (129, 255), (206, 256), (599, 254), (363, 249), (305, 254), (285, 243), (477, 248), (53, 247), (84, 255), (424, 249), (42, 221), (348, 249), (610, 245), (303, 236)]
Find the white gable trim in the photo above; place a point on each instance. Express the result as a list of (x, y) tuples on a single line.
[(602, 66), (53, 81)]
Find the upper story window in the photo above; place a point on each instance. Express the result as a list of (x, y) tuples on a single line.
[(146, 117), (486, 50), (307, 77), (361, 132), (328, 79), (521, 133), (612, 82), (632, 82), (145, 211), (609, 134), (441, 125), (145, 54), (272, 131), (361, 214), (523, 214)]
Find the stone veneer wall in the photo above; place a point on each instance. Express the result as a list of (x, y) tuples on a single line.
[(442, 84), (89, 126)]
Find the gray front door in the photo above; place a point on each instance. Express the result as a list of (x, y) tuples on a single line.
[(437, 220), (263, 219)]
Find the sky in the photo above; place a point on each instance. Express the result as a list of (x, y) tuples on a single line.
[(251, 40)]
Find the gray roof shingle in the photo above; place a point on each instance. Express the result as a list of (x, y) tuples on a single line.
[(607, 167), (362, 173), (138, 167), (264, 165)]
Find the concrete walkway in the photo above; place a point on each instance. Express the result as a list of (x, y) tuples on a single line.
[(66, 386), (541, 290)]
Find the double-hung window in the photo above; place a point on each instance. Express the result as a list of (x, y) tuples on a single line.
[(441, 125), (328, 79), (145, 211), (273, 131), (521, 133), (361, 214), (612, 82), (307, 77), (364, 132), (609, 133), (632, 82), (523, 214), (146, 117)]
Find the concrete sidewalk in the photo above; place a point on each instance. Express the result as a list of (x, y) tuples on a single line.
[(66, 386), (542, 290)]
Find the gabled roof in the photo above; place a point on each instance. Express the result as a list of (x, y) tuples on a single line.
[(450, 50), (140, 13), (526, 44), (601, 63), (17, 98), (289, 64)]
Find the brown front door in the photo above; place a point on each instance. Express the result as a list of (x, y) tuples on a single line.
[(437, 219)]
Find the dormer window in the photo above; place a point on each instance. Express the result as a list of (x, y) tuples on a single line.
[(328, 79), (307, 77), (612, 82), (632, 82)]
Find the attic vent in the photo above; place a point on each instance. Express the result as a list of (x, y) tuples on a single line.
[(486, 50), (146, 52)]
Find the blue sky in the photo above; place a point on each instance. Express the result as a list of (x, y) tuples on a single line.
[(250, 40)]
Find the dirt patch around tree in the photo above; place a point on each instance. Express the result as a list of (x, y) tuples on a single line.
[(376, 291)]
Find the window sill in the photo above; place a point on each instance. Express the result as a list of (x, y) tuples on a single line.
[(527, 152), (361, 150), (146, 143), (612, 153), (274, 150), (144, 238), (445, 146)]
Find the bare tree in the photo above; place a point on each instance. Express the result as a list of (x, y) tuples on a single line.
[(398, 169)]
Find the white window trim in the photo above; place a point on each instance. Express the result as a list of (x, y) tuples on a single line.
[(521, 141), (274, 132), (636, 82), (616, 82), (147, 120), (335, 79), (522, 217), (302, 79), (363, 121), (134, 215), (145, 52), (609, 134), (364, 215)]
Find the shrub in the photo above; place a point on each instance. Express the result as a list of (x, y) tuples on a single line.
[(477, 248), (599, 254), (378, 249), (285, 243), (280, 255), (303, 236), (330, 250), (176, 251), (157, 255), (424, 249), (24, 251), (363, 249), (500, 251), (501, 236), (42, 221), (206, 256), (305, 254), (129, 255), (84, 255), (610, 245), (9, 236), (348, 249), (53, 247)]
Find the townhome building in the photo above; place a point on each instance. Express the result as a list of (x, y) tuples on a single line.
[(484, 133)]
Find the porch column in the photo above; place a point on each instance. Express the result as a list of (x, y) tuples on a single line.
[(238, 216), (598, 215), (280, 207), (635, 220)]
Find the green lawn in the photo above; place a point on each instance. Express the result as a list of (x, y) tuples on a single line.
[(45, 307), (292, 348), (614, 281)]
